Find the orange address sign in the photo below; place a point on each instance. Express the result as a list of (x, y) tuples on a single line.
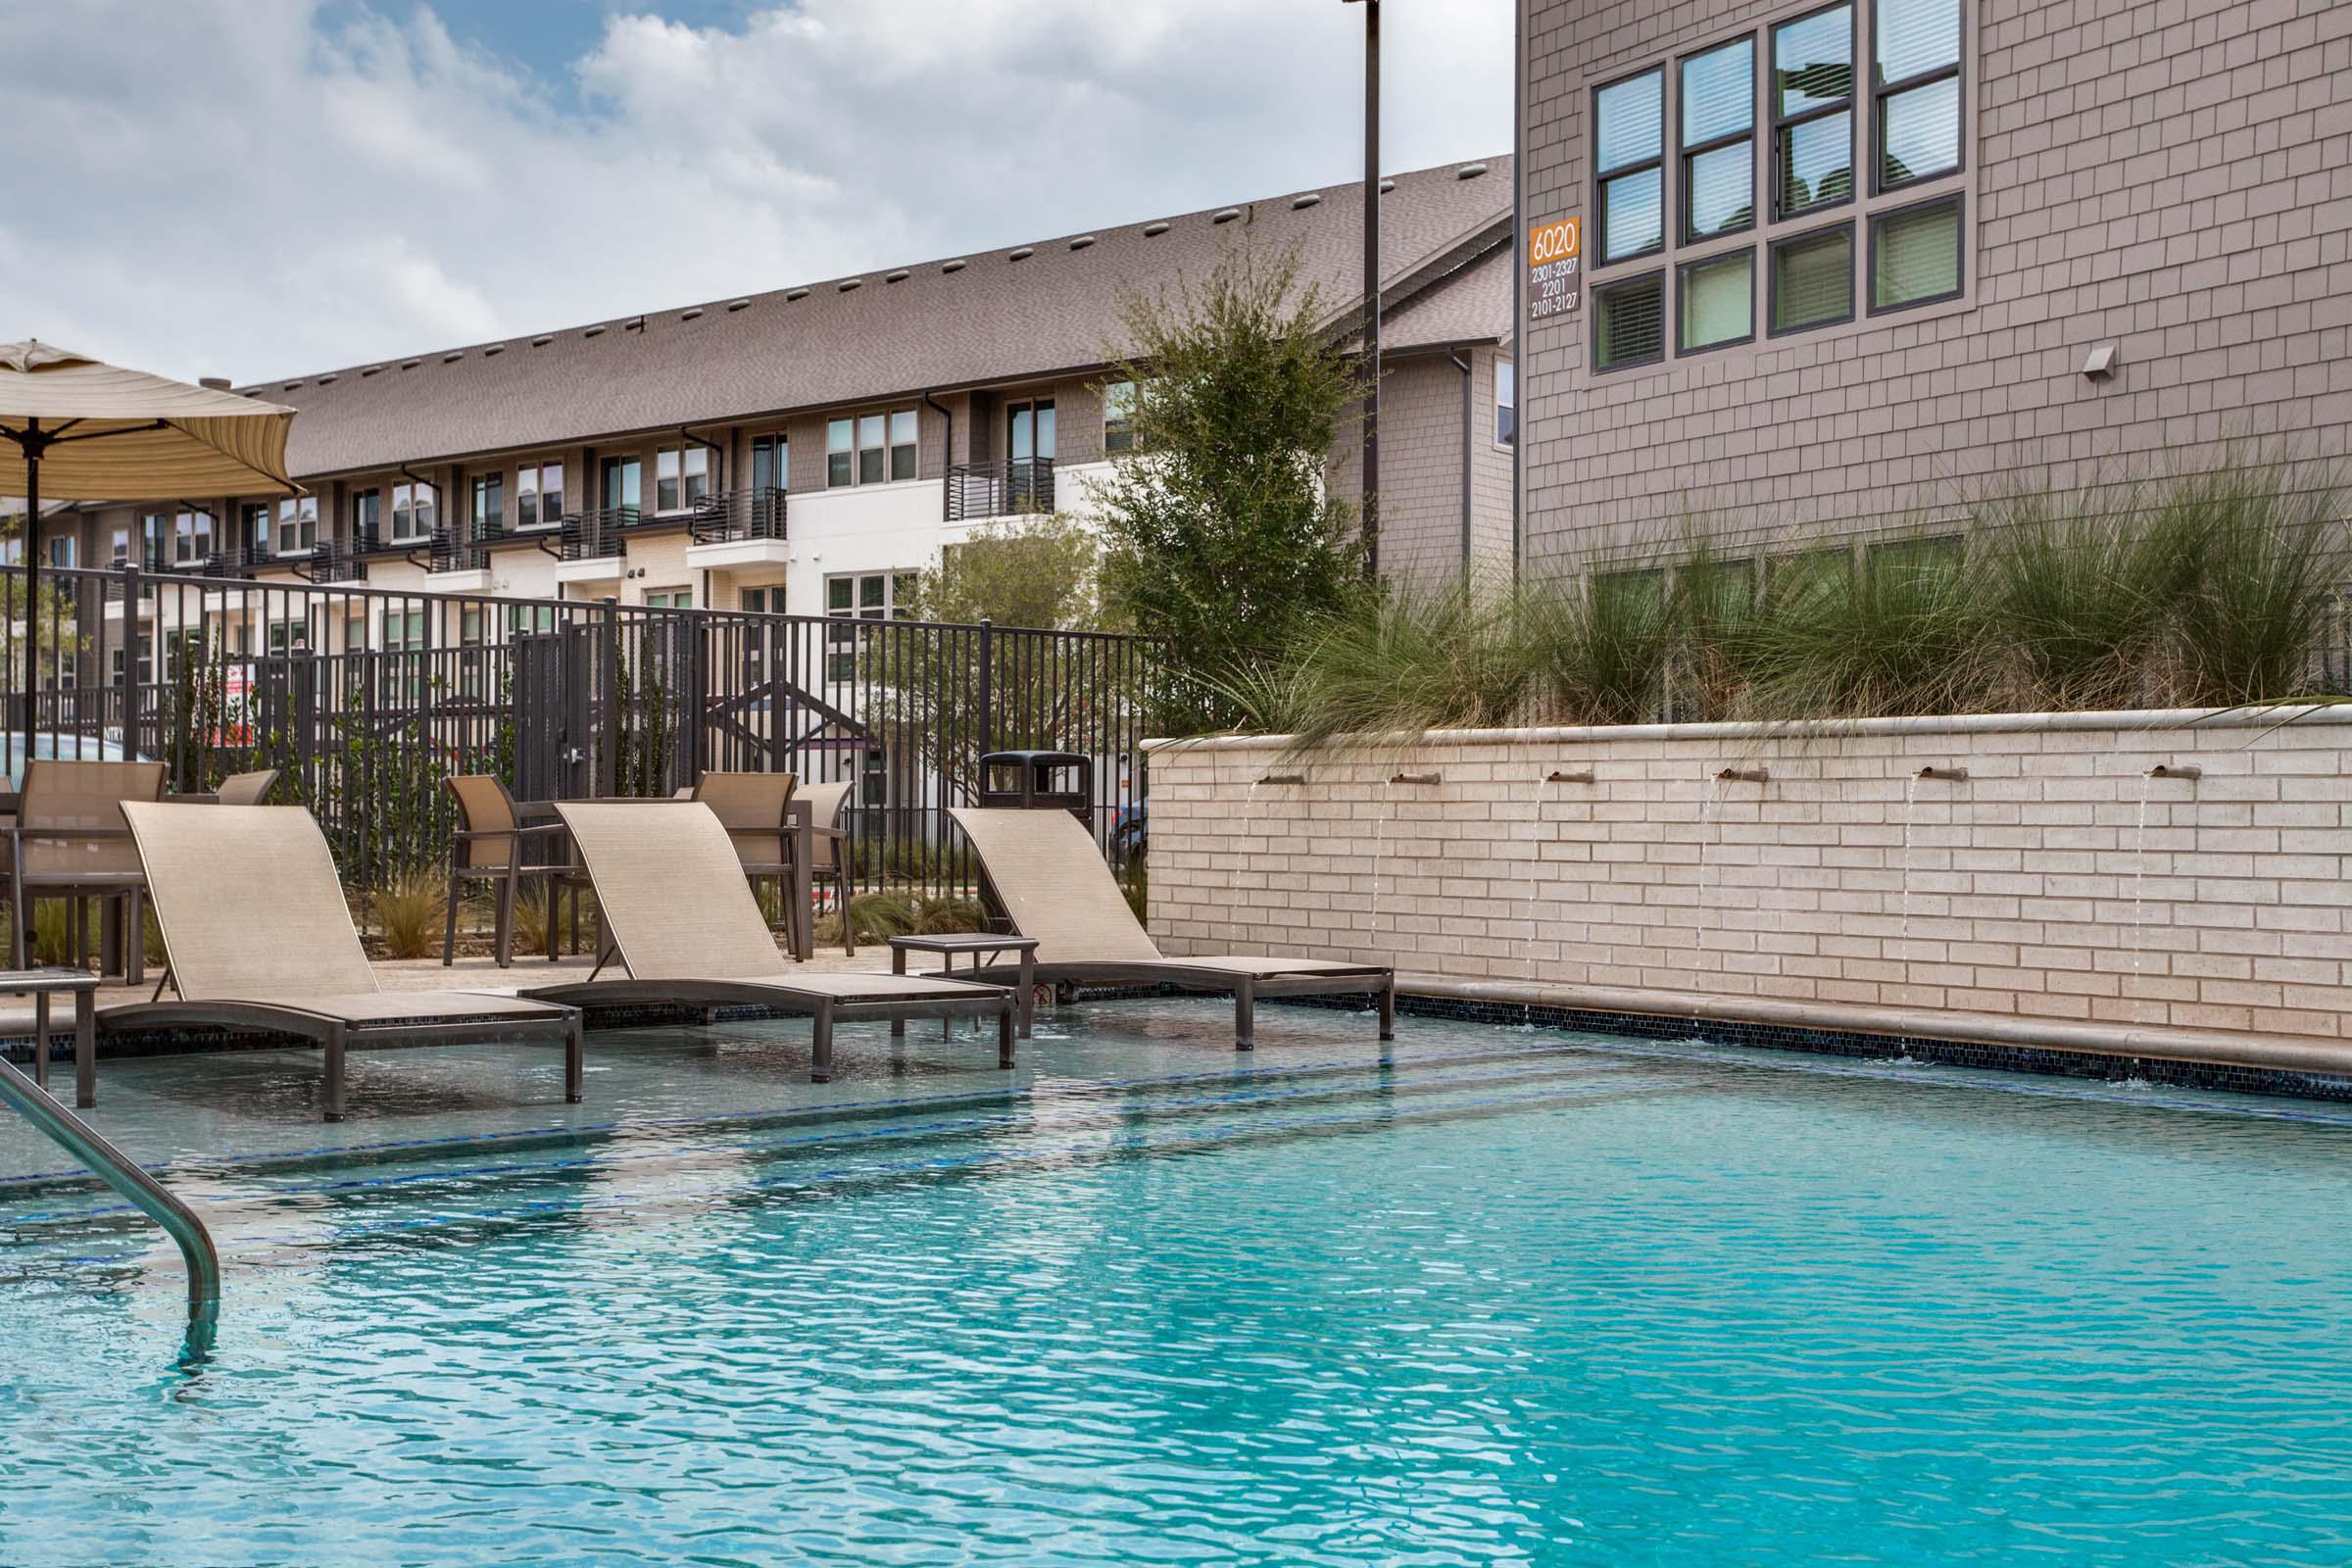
[(1555, 242)]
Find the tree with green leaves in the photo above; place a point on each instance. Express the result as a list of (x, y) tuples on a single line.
[(1221, 535), (1038, 571)]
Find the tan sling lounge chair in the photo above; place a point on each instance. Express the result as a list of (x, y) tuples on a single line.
[(680, 917), (1049, 877), (258, 936)]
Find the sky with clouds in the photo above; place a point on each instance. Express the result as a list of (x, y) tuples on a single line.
[(256, 188)]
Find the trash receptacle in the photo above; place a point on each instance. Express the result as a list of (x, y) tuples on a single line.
[(1039, 781)]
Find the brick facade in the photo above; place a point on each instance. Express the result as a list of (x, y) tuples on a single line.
[(2057, 881), (2172, 176)]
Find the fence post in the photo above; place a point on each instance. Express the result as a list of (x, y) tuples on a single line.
[(130, 682), (987, 726), (609, 761)]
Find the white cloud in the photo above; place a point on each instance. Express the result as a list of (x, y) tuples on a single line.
[(253, 187)]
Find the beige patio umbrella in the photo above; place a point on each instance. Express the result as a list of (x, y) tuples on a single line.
[(79, 430)]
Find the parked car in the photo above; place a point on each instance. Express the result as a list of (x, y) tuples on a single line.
[(1131, 832)]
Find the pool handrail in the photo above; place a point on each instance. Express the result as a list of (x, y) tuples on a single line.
[(120, 1172)]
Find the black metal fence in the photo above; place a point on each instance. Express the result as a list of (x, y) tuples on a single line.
[(369, 697)]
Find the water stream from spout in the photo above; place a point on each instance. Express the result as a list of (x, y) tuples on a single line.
[(1379, 845), (1526, 907), (2139, 880), (1248, 830), (1902, 940), (1707, 811)]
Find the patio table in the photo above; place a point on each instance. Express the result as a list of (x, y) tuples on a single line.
[(980, 945)]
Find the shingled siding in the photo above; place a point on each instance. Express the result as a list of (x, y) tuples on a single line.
[(2028, 888), (2174, 176), (1421, 470)]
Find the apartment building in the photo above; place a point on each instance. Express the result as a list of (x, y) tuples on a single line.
[(1835, 266), (808, 449)]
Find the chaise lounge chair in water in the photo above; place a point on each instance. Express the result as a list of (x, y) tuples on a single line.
[(257, 936), (1049, 878), (680, 917)]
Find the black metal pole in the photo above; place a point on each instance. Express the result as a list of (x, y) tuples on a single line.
[(33, 585), (1371, 475)]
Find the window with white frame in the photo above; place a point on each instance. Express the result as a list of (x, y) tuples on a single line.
[(411, 513), (298, 525), (1506, 404), (1118, 417), (121, 546), (192, 537), (859, 596), (1763, 133), (870, 448), (538, 495), (681, 478)]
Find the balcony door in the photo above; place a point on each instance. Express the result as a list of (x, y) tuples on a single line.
[(623, 487), (1029, 438)]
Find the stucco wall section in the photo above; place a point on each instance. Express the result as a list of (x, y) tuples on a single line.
[(2031, 888)]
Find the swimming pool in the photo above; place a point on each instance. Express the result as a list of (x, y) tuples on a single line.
[(1512, 1297)]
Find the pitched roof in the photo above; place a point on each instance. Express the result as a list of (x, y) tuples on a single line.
[(1471, 305), (989, 317)]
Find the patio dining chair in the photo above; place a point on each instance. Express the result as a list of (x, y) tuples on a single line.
[(830, 862), (489, 845), (755, 810), (238, 789), (69, 840)]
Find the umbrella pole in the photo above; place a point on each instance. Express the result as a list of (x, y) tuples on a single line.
[(32, 567)]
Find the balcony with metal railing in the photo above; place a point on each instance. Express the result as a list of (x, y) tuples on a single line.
[(1005, 488), (738, 517)]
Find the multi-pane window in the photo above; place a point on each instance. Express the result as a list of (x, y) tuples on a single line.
[(298, 525), (489, 505), (366, 518), (871, 448), (1630, 322), (1812, 281), (1727, 154), (1629, 153), (841, 452), (862, 596), (1718, 92), (1118, 417), (253, 527), (681, 478), (412, 512), (538, 495), (1915, 255), (1717, 303), (192, 537), (1813, 111), (1506, 404), (1915, 88), (122, 543), (669, 598)]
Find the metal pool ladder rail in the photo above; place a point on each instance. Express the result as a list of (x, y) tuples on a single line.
[(118, 1172)]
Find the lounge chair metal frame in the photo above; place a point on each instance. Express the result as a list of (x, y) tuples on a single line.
[(175, 844), (1245, 980), (684, 841)]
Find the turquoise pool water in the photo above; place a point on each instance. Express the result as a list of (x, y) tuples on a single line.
[(1514, 1299)]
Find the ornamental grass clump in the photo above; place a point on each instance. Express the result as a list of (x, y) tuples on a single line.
[(1400, 663), (2082, 588), (1902, 631), (2263, 600)]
